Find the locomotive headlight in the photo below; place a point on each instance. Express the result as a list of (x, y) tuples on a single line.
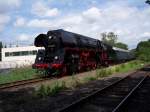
[(39, 58), (50, 37), (56, 57)]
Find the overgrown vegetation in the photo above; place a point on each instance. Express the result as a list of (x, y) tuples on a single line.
[(18, 74), (89, 78), (75, 80), (143, 50), (111, 38), (54, 88)]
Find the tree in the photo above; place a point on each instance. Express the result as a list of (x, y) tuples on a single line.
[(143, 50), (104, 36), (121, 45), (109, 38)]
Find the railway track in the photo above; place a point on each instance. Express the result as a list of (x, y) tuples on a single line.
[(111, 98), (139, 100), (20, 83)]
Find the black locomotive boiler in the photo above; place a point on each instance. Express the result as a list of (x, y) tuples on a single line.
[(67, 53)]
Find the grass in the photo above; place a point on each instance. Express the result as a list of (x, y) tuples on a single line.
[(89, 78), (76, 80), (54, 88), (103, 72), (17, 74), (130, 66), (70, 81)]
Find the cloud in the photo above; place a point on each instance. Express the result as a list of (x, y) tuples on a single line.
[(20, 21), (15, 3), (92, 15), (41, 10), (36, 23), (8, 5), (4, 19), (23, 37), (146, 34), (128, 21)]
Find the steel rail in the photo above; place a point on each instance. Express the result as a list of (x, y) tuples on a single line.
[(84, 99), (3, 84), (21, 83), (120, 105)]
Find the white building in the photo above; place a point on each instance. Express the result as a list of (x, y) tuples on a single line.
[(18, 56)]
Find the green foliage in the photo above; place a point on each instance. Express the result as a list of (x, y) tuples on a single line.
[(75, 81), (109, 71), (102, 73), (143, 50), (121, 45), (117, 69), (133, 65), (90, 78), (122, 65), (42, 91), (18, 74), (55, 87), (109, 38)]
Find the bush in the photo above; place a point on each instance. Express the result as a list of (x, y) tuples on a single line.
[(50, 90), (42, 91), (131, 64), (87, 79), (75, 81), (117, 69), (101, 73), (57, 87), (122, 65), (109, 72)]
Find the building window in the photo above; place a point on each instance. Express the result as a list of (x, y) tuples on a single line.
[(20, 53), (24, 53), (16, 53), (34, 52), (7, 54)]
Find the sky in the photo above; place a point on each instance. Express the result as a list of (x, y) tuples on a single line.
[(23, 20)]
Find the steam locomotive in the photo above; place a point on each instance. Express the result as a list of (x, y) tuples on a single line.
[(67, 53)]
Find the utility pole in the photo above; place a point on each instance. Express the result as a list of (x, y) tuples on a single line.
[(1, 46)]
